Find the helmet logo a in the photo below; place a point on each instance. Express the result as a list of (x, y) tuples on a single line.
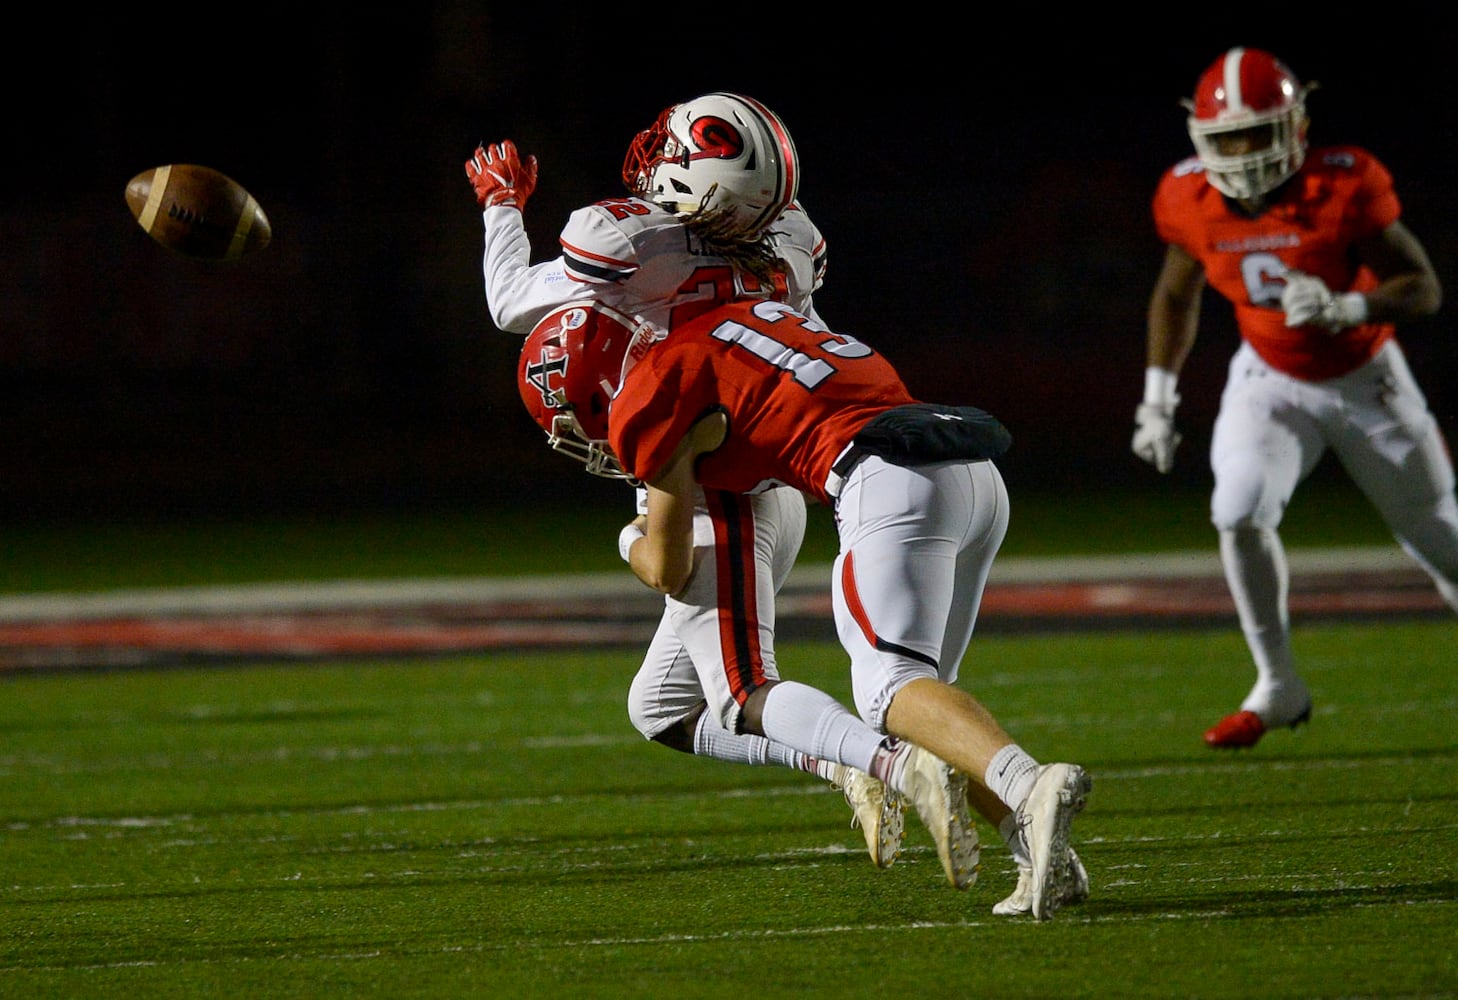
[(539, 374), (552, 361), (716, 139)]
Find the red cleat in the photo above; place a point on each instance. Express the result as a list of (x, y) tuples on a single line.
[(1243, 729)]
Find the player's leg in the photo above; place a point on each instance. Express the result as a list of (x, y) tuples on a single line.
[(1395, 453), (745, 548), (900, 574), (902, 534), (666, 699), (666, 704), (1266, 440), (1012, 771)]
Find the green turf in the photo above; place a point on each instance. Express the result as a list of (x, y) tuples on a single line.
[(491, 826), (532, 539)]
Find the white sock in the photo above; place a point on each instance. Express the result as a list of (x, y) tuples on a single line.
[(827, 769), (890, 763), (1011, 774), (711, 739), (814, 723), (1259, 580)]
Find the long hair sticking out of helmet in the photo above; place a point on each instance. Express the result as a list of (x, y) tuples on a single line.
[(726, 165)]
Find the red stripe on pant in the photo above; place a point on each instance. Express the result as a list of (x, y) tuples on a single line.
[(853, 598), (735, 570), (857, 611)]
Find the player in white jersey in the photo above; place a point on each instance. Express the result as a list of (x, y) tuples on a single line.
[(711, 216)]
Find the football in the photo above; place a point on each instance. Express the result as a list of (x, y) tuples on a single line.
[(198, 212)]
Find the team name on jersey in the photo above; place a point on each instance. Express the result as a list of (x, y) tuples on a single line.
[(1263, 241)]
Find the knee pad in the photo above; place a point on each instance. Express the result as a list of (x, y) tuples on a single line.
[(650, 716), (1242, 506)]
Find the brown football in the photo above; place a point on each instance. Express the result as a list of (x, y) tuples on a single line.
[(198, 212)]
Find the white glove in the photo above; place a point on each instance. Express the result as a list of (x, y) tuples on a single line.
[(1155, 437), (1307, 300)]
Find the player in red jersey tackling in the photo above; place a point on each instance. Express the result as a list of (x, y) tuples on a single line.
[(756, 396), (1309, 248), (711, 213)]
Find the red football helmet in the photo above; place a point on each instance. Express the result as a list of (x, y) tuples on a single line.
[(571, 366), (722, 153), (1250, 92)]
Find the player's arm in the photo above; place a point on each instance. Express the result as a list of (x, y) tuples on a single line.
[(1410, 288), (1173, 317), (664, 557), (518, 294), (1172, 321)]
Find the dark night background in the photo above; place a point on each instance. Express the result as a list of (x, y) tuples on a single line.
[(984, 193)]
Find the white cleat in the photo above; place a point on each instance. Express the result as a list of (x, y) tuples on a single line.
[(1020, 901), (1058, 795), (939, 793), (879, 812)]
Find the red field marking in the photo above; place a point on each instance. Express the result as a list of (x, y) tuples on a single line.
[(292, 628)]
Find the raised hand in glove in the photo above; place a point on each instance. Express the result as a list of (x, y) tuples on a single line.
[(500, 176), (1155, 437), (1308, 302)]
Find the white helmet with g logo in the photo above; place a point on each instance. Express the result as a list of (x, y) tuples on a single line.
[(720, 153)]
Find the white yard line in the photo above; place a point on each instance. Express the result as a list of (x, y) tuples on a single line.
[(264, 598)]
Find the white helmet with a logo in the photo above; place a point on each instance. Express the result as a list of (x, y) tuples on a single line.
[(724, 154)]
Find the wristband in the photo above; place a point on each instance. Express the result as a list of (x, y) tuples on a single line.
[(1159, 386), (626, 538), (1352, 308)]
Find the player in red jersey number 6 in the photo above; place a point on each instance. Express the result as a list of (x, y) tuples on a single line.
[(1309, 249)]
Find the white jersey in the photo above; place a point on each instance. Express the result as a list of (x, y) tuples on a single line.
[(640, 259), (643, 261)]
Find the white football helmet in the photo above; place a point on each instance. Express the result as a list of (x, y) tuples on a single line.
[(1248, 89), (720, 153)]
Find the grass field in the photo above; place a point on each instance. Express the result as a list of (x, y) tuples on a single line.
[(490, 825)]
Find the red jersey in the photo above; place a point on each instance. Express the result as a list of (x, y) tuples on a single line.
[(1340, 195), (795, 395)]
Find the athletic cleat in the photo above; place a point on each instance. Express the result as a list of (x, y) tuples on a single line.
[(1245, 729), (879, 812), (1075, 889), (939, 793), (1058, 795)]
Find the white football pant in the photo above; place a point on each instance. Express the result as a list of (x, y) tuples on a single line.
[(916, 545)]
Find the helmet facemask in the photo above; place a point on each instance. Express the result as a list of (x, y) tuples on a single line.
[(570, 368), (1257, 172), (1248, 123), (567, 436)]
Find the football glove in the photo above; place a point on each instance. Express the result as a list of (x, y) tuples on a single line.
[(1155, 437), (1307, 301), (500, 176)]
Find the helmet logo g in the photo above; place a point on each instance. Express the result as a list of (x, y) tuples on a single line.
[(716, 138)]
